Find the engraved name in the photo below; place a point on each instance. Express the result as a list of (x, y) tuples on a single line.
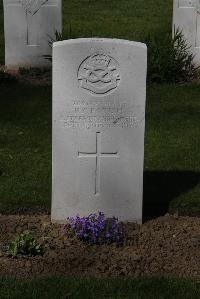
[(87, 115)]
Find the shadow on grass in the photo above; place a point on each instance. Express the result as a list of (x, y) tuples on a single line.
[(161, 187)]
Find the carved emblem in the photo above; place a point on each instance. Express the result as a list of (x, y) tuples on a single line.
[(99, 74), (32, 6)]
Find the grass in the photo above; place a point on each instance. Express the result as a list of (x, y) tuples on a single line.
[(125, 19), (116, 18), (172, 155), (91, 288), (25, 153), (172, 170)]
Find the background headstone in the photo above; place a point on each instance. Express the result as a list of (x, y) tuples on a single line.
[(99, 90), (28, 26), (186, 16)]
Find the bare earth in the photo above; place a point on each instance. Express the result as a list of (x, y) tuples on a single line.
[(168, 245)]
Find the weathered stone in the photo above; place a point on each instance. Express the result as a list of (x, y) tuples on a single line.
[(99, 88), (186, 17), (29, 25)]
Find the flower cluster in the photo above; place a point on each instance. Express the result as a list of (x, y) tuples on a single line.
[(97, 229)]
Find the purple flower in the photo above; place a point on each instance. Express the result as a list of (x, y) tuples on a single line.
[(108, 235), (96, 229)]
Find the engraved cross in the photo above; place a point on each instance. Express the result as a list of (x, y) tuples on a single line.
[(193, 4), (31, 9), (98, 154)]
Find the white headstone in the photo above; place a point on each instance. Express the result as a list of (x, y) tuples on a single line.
[(99, 91), (186, 17), (28, 26)]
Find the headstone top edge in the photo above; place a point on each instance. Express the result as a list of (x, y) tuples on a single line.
[(99, 40)]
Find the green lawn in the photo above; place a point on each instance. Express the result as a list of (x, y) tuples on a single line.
[(172, 155), (118, 288), (25, 151), (127, 19)]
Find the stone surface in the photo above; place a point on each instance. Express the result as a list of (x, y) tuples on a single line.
[(99, 89), (186, 16), (29, 25)]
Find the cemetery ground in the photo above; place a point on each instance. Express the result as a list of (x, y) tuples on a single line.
[(163, 247)]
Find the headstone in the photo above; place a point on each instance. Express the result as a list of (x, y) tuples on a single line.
[(186, 17), (99, 90), (28, 26)]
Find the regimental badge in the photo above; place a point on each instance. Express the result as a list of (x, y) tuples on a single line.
[(32, 6), (99, 74)]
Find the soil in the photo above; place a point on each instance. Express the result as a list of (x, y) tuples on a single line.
[(168, 245), (30, 76)]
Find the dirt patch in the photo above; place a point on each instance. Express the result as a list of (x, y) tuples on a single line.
[(30, 76), (168, 245)]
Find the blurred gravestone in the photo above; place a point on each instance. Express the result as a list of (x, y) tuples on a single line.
[(29, 25), (186, 17), (99, 88)]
